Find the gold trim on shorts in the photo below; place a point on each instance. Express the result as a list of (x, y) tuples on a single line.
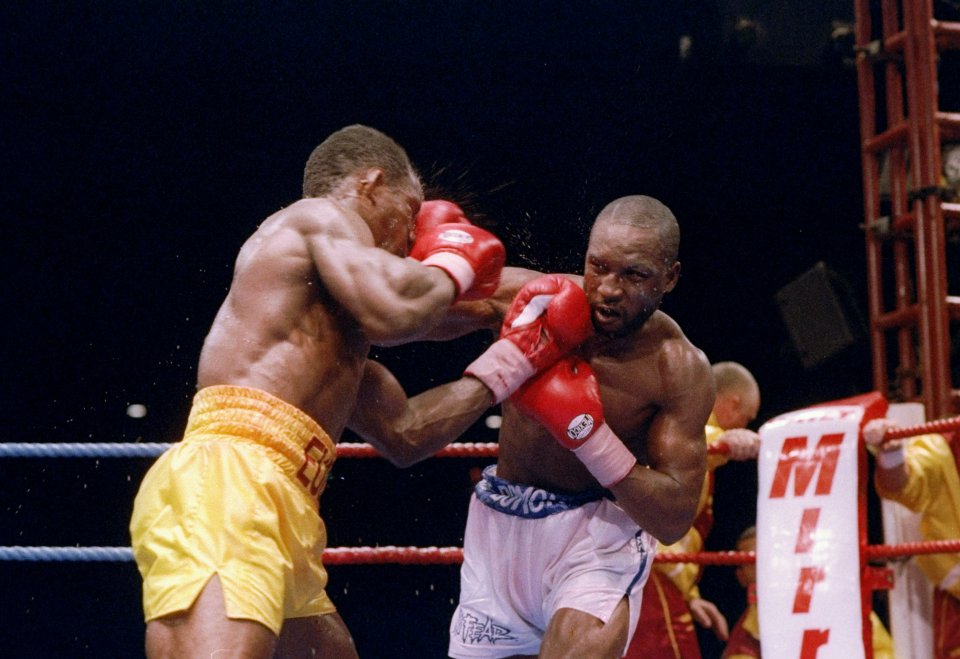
[(245, 413)]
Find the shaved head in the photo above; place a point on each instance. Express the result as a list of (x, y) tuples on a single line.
[(731, 376), (738, 395), (645, 213)]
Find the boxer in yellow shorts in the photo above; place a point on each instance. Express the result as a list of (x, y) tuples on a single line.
[(197, 516), (226, 528)]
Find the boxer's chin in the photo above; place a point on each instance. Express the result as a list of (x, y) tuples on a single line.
[(607, 322)]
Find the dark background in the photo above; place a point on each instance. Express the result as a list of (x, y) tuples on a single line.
[(144, 141)]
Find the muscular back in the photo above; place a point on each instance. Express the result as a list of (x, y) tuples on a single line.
[(280, 329)]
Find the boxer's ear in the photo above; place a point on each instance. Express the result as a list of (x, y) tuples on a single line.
[(672, 277), (368, 181)]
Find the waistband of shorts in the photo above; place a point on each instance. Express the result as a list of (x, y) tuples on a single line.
[(526, 500), (251, 414)]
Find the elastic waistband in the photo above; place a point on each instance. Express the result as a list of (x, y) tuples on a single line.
[(254, 415), (526, 500)]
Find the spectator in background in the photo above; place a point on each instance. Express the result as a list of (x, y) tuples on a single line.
[(744, 642), (921, 474), (744, 638), (672, 601)]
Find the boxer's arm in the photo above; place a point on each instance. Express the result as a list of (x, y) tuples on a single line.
[(406, 430), (394, 299), (466, 317), (892, 476), (663, 498)]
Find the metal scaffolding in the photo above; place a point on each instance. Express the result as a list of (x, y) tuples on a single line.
[(906, 216)]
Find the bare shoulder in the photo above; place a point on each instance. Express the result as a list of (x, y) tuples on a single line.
[(684, 368), (318, 216), (290, 230)]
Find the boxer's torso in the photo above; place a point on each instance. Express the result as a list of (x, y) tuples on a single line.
[(279, 330), (629, 373)]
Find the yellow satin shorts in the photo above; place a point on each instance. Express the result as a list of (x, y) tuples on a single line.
[(239, 498)]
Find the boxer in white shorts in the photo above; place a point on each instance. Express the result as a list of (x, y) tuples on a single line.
[(531, 552), (562, 584)]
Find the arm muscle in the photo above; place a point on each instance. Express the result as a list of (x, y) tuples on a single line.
[(406, 430), (663, 499)]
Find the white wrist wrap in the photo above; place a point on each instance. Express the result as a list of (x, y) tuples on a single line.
[(606, 457), (891, 459), (459, 269), (502, 367)]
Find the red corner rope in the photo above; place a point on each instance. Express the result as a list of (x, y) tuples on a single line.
[(454, 555), (938, 426), (707, 557), (912, 549), (463, 450), (393, 555)]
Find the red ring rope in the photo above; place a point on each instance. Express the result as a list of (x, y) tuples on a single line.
[(462, 450), (454, 555), (938, 426)]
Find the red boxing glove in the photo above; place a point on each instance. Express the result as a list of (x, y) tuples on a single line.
[(435, 212), (471, 256), (549, 317), (566, 400)]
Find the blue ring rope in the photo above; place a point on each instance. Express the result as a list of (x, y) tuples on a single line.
[(66, 554), (75, 450), (81, 450)]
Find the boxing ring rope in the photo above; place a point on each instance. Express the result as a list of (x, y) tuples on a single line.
[(938, 426), (145, 450), (411, 555), (452, 555), (331, 556)]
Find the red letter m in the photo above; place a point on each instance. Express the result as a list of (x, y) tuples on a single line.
[(795, 458)]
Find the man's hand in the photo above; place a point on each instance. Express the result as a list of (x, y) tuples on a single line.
[(548, 317), (473, 257), (890, 454), (566, 400), (707, 615), (742, 444), (874, 431)]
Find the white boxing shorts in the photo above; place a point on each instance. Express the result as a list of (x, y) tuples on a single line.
[(529, 552)]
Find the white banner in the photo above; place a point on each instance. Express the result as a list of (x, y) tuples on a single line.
[(808, 565)]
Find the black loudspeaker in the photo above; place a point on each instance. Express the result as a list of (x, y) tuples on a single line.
[(820, 315)]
